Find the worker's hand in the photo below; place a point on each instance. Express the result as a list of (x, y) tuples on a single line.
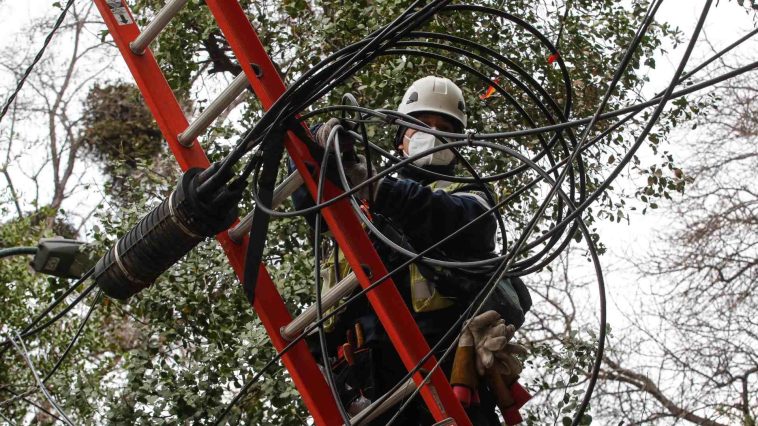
[(325, 129), (491, 338), (357, 173)]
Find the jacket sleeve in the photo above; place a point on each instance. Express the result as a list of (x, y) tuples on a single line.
[(427, 216)]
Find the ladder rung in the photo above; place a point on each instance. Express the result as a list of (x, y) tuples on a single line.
[(155, 27), (395, 398), (329, 299), (281, 192), (214, 110)]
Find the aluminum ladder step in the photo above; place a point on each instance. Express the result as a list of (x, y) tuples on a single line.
[(328, 300), (156, 26)]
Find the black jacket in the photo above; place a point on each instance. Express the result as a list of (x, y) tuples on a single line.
[(424, 216)]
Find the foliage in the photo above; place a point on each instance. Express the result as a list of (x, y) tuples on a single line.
[(118, 128), (701, 331), (119, 131), (180, 350)]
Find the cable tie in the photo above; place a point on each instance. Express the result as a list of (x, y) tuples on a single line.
[(470, 137)]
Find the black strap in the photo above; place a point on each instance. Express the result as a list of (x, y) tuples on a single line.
[(271, 154)]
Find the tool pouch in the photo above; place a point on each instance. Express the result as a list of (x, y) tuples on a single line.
[(356, 378), (510, 298)]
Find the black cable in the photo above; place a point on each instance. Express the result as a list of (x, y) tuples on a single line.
[(30, 328), (563, 23), (37, 58), (17, 251), (317, 275), (349, 98), (567, 125), (78, 333)]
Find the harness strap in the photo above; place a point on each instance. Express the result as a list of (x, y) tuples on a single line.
[(271, 154)]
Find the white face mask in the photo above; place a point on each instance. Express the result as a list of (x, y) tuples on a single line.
[(421, 142)]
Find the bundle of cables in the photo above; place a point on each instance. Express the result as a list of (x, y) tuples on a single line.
[(205, 201)]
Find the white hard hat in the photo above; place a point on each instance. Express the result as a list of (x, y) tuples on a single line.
[(435, 94)]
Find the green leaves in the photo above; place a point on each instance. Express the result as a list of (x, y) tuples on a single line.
[(179, 351)]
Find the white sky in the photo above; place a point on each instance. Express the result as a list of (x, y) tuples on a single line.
[(726, 22)]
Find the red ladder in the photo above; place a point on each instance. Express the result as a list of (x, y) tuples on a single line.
[(260, 73)]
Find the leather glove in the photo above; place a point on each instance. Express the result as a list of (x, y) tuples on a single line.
[(357, 173), (354, 164), (491, 338)]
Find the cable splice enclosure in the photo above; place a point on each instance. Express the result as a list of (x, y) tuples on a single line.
[(166, 234)]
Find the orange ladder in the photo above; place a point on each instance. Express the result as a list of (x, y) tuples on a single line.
[(260, 73)]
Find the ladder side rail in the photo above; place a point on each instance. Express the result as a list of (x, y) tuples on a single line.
[(342, 221), (268, 305)]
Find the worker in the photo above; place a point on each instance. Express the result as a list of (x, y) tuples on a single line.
[(416, 210)]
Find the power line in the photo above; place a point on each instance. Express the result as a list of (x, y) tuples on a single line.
[(658, 100), (71, 344), (17, 251), (25, 354), (37, 58), (30, 328)]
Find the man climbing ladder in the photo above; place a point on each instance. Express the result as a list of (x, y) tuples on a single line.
[(116, 273), (416, 210)]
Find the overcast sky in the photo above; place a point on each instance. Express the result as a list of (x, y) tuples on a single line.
[(726, 22)]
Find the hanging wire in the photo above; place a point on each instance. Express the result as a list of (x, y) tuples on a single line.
[(563, 23), (333, 138), (30, 328), (95, 303), (401, 37), (20, 346), (574, 212), (37, 58)]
